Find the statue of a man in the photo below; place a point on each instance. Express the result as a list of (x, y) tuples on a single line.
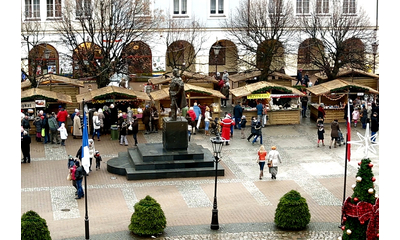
[(176, 94)]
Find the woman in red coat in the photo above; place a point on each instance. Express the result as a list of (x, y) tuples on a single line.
[(226, 124)]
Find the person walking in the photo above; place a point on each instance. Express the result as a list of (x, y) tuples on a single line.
[(226, 124), (96, 125), (356, 116), (79, 173), (207, 119), (63, 133), (135, 128), (146, 119), (25, 147), (72, 171), (77, 126), (98, 159), (62, 116), (53, 126), (225, 92), (262, 153), (321, 111), (102, 118), (320, 134), (46, 128), (197, 111), (237, 114), (275, 158), (299, 77), (304, 101), (242, 123), (92, 150), (374, 126), (38, 124), (154, 120), (258, 133), (259, 108), (253, 125), (364, 117), (334, 133), (124, 133)]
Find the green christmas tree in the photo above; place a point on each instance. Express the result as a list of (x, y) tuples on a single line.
[(361, 210)]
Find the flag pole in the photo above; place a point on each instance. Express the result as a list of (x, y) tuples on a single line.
[(345, 181), (86, 207)]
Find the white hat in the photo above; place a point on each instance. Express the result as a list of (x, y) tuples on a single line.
[(76, 110)]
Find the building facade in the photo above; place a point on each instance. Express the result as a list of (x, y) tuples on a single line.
[(51, 54)]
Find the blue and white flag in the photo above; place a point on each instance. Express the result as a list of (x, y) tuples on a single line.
[(85, 145)]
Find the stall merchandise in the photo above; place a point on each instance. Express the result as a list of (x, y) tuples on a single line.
[(334, 95), (282, 101)]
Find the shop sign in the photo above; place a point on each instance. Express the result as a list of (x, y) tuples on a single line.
[(259, 96), (25, 105), (40, 103)]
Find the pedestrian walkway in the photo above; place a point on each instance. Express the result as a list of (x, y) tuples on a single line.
[(246, 204)]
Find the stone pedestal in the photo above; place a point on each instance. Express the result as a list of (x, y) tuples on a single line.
[(175, 134)]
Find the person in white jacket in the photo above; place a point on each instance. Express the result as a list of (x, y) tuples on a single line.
[(207, 119), (96, 125), (275, 159), (92, 150), (63, 133)]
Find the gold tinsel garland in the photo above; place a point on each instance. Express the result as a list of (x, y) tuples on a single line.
[(337, 96)]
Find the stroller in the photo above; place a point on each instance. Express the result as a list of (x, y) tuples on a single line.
[(215, 127), (340, 139)]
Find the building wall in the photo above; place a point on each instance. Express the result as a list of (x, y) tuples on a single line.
[(198, 10)]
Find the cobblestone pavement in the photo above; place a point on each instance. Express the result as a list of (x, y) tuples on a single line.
[(246, 204)]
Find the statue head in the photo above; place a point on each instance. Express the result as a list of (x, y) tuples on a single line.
[(175, 72)]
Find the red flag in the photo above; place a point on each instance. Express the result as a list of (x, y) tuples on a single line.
[(348, 130)]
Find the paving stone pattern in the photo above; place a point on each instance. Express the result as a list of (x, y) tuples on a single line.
[(246, 204)]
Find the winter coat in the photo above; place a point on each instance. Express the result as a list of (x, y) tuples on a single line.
[(335, 129), (275, 157), (225, 91), (192, 114), (243, 123), (146, 116), (207, 117), (91, 148), (226, 124), (53, 125), (356, 115), (135, 126), (63, 132), (374, 124), (259, 108), (38, 122), (101, 118), (25, 123), (237, 111), (96, 120), (320, 133), (197, 111), (257, 129), (253, 126), (124, 129), (77, 126)]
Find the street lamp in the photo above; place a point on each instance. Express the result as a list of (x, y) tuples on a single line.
[(217, 143), (216, 49), (374, 51)]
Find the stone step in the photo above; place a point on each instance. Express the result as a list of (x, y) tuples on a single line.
[(152, 152), (132, 174)]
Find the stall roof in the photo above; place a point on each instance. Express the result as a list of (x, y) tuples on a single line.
[(250, 88), (189, 75), (244, 76), (282, 76), (348, 72), (52, 78), (337, 84), (164, 93), (111, 90), (37, 93)]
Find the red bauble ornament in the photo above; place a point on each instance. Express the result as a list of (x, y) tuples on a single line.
[(355, 199), (373, 179), (344, 219), (359, 163), (343, 228), (370, 165)]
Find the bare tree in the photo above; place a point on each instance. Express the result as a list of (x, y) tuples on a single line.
[(337, 39), (184, 39), (262, 29), (32, 34), (98, 31)]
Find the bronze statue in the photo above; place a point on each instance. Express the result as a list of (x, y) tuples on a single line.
[(176, 94)]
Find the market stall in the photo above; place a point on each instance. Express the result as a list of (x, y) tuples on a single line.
[(355, 76), (123, 99), (201, 95), (282, 101), (334, 95), (35, 99)]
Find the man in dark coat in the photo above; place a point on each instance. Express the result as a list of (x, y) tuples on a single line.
[(135, 129), (25, 147), (146, 119), (374, 126), (176, 94), (237, 114)]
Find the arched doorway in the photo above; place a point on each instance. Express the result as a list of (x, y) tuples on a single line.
[(137, 55), (43, 59), (354, 53), (270, 57), (310, 51), (226, 58), (85, 58), (181, 55)]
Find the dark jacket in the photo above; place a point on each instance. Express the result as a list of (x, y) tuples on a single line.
[(335, 129), (257, 129), (243, 122), (53, 125), (253, 126), (374, 124), (38, 124), (135, 126), (79, 173), (25, 141), (237, 111), (25, 124), (146, 116)]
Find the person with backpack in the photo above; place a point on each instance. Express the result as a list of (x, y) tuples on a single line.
[(79, 173)]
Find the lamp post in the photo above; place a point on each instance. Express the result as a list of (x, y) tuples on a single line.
[(374, 51), (216, 49), (217, 143)]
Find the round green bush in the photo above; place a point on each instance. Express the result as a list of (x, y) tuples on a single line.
[(33, 227), (292, 212), (148, 218)]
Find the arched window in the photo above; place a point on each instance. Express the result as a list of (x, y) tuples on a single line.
[(43, 59), (137, 56), (85, 58)]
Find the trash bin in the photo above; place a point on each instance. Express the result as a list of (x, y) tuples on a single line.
[(114, 132)]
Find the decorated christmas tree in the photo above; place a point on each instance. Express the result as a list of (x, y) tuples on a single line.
[(361, 211)]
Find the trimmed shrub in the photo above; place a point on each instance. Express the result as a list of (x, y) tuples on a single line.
[(34, 227), (292, 212), (148, 218)]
